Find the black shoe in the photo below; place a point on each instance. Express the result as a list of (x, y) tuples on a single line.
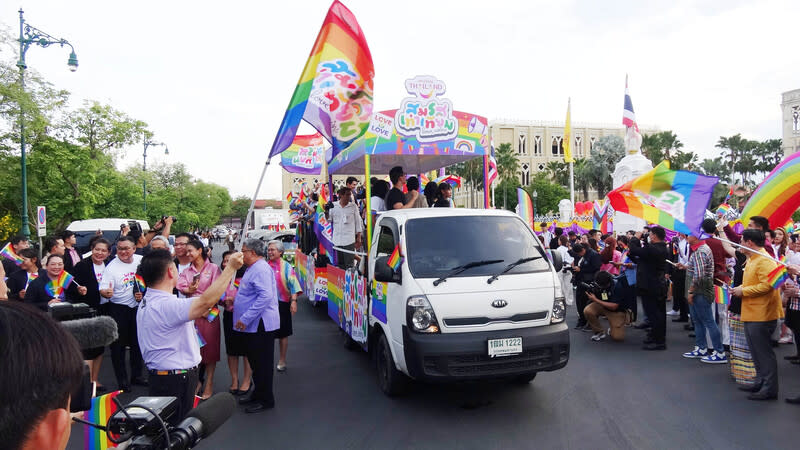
[(762, 396), (751, 388), (791, 358), (648, 341), (795, 361), (681, 319), (727, 348), (139, 381), (691, 335), (773, 343), (654, 346), (580, 325), (247, 400), (793, 400), (258, 407), (688, 327), (642, 326)]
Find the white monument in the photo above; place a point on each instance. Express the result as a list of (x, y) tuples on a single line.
[(634, 164), (565, 209)]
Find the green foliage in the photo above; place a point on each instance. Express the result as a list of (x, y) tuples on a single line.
[(547, 194), (796, 216), (715, 167), (665, 145), (606, 153), (507, 162), (583, 177), (559, 172), (750, 159), (240, 206)]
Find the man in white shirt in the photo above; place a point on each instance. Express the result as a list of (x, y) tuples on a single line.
[(117, 285), (347, 227)]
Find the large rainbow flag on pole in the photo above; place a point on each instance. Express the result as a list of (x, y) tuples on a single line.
[(525, 206), (778, 196), (673, 199), (334, 93)]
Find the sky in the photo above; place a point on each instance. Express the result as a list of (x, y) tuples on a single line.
[(213, 79)]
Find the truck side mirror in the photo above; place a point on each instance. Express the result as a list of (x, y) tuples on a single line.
[(384, 273), (558, 263)]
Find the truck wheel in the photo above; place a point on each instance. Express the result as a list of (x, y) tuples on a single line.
[(391, 381), (525, 379)]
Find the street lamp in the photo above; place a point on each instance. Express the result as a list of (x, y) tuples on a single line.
[(149, 143), (29, 35), (534, 194)]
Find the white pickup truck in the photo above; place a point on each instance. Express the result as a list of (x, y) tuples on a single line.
[(475, 297)]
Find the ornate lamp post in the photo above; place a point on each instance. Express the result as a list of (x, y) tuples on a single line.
[(29, 35), (149, 143)]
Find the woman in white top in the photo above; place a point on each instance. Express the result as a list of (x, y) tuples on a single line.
[(565, 277)]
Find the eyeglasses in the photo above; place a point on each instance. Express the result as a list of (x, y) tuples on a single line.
[(180, 244)]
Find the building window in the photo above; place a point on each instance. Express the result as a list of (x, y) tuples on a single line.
[(522, 145), (541, 167), (557, 146), (592, 140), (795, 118), (526, 175), (537, 145), (578, 145)]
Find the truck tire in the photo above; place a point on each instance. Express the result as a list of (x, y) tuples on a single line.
[(524, 379), (391, 381)]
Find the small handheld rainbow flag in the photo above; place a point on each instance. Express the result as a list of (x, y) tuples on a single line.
[(723, 209), (722, 295), (236, 283), (200, 339), (395, 260), (213, 314), (778, 276), (8, 253), (31, 277), (140, 282), (55, 288), (525, 206), (102, 408)]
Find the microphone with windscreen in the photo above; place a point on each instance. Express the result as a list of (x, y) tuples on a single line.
[(92, 332)]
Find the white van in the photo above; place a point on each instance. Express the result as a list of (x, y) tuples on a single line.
[(476, 297), (110, 228)]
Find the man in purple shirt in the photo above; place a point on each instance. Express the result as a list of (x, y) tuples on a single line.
[(255, 313), (166, 333)]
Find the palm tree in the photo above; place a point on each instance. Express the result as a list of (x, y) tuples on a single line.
[(507, 165), (583, 176), (559, 172)]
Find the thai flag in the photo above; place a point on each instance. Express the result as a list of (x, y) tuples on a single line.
[(628, 116), (492, 167)]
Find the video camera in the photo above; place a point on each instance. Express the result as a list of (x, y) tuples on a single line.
[(145, 422), (592, 287)]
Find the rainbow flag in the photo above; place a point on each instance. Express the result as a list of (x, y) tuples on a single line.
[(140, 282), (214, 313), (8, 253), (778, 276), (675, 200), (289, 197), (31, 277), (722, 295), (723, 209), (200, 340), (525, 205), (778, 195), (55, 288), (236, 283), (334, 93), (395, 260), (626, 258), (102, 408)]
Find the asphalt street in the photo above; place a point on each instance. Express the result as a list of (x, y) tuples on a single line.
[(609, 396)]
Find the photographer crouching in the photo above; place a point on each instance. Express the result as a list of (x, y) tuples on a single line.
[(167, 336), (603, 301)]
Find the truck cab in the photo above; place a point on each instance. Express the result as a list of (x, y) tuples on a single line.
[(462, 294)]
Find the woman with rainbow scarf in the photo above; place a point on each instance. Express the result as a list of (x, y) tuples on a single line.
[(288, 290), (57, 286)]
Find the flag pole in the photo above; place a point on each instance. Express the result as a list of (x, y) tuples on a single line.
[(571, 184), (252, 204)]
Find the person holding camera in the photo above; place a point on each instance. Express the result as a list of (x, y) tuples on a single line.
[(584, 269), (166, 331), (603, 302)]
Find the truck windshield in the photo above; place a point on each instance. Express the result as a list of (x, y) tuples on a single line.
[(437, 245)]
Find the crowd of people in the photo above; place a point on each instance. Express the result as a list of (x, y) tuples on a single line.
[(171, 308), (719, 283)]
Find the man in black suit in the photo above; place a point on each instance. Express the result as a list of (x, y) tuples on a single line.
[(587, 263), (652, 285)]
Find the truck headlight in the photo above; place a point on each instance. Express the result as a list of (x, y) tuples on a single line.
[(559, 311), (420, 316)]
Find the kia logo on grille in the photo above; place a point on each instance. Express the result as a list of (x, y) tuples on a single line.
[(499, 303)]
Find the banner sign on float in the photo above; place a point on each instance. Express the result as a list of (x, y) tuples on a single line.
[(379, 300), (347, 302), (305, 155), (381, 126)]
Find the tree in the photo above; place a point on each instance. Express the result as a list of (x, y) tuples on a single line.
[(559, 172), (606, 153), (714, 167), (665, 146), (102, 128), (240, 206), (583, 177), (507, 166), (548, 194)]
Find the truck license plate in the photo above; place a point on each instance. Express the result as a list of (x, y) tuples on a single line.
[(505, 347)]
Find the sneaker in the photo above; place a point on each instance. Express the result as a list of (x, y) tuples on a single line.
[(599, 336), (715, 358), (696, 353), (785, 340), (672, 312)]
